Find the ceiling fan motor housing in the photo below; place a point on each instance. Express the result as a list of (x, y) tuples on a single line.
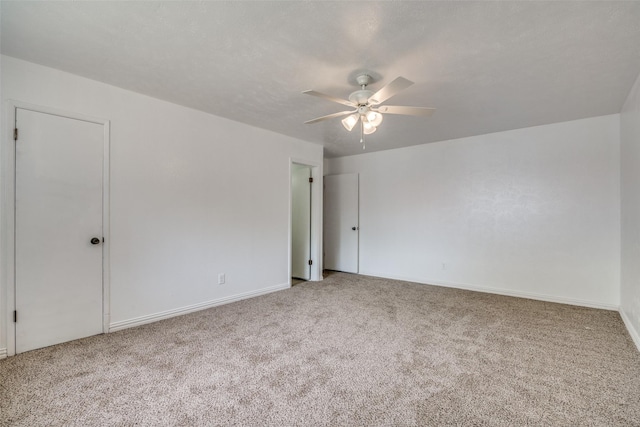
[(360, 97)]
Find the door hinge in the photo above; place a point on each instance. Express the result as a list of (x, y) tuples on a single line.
[(15, 134), (311, 180), (15, 316), (310, 262)]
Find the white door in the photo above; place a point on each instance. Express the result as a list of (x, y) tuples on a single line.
[(59, 182), (300, 222), (341, 225)]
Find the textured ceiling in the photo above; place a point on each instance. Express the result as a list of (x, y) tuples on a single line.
[(485, 66)]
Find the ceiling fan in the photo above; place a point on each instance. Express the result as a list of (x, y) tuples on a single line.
[(368, 110)]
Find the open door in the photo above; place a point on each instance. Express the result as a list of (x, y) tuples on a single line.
[(341, 225), (300, 221)]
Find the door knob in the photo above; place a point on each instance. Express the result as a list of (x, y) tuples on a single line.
[(354, 228), (95, 241)]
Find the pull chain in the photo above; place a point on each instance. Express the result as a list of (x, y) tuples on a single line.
[(362, 125)]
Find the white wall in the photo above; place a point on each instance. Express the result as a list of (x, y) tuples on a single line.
[(531, 212), (192, 195), (630, 184)]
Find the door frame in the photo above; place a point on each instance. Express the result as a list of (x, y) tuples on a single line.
[(316, 218), (7, 211)]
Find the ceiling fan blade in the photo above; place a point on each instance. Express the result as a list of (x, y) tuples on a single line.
[(389, 90), (330, 116), (409, 111), (329, 98)]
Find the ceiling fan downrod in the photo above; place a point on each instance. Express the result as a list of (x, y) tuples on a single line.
[(363, 80)]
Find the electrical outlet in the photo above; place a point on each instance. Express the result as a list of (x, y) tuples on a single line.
[(221, 279), (444, 266)]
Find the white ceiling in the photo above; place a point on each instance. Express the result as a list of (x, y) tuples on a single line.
[(486, 66)]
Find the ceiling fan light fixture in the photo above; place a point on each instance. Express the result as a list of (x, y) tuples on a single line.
[(350, 121), (369, 131), (374, 118), (367, 128), (366, 124)]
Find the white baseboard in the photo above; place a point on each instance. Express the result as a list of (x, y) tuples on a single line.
[(498, 291), (3, 353), (130, 323), (635, 336)]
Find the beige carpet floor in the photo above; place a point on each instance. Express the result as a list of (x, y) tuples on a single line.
[(350, 350)]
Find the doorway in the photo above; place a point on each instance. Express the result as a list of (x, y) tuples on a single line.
[(301, 182), (60, 205), (305, 220)]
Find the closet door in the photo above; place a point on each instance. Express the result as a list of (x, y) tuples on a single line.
[(341, 225), (58, 229)]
